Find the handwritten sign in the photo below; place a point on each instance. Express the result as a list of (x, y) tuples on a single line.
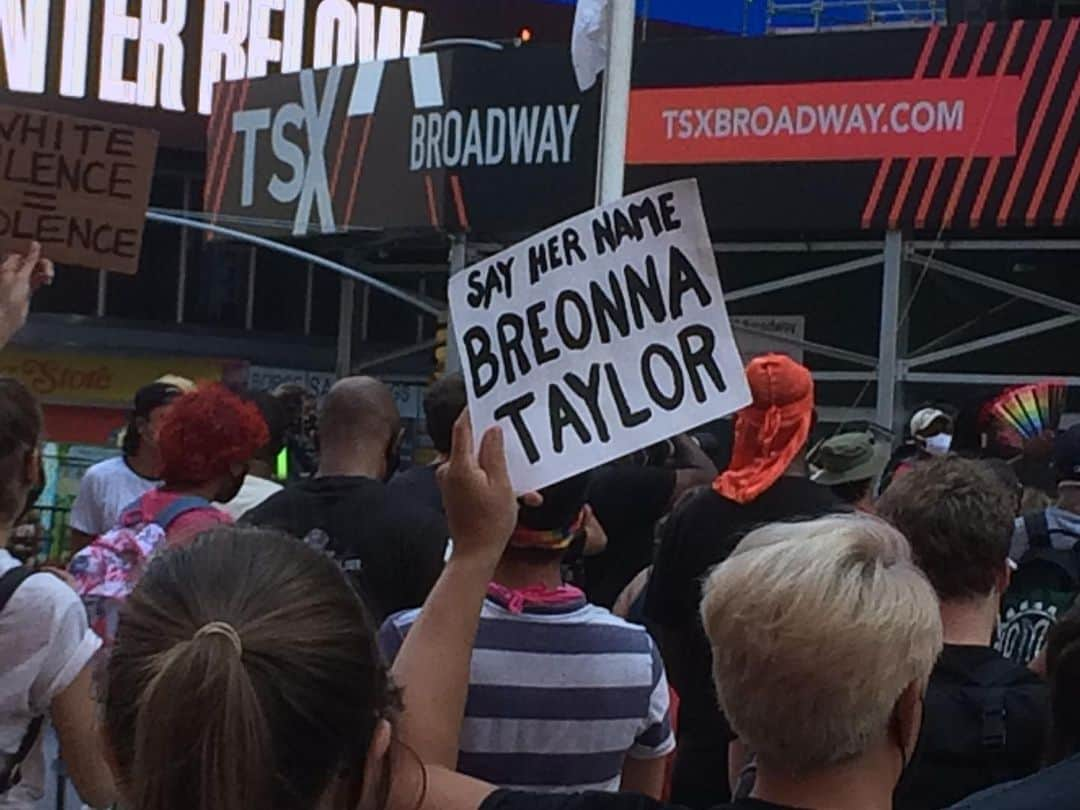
[(599, 336), (78, 187)]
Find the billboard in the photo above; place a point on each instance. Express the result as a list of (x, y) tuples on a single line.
[(155, 63), (467, 140), (958, 129)]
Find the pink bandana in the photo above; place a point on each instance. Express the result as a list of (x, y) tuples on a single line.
[(534, 596)]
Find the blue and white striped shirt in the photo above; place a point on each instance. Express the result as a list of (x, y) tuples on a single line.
[(558, 697)]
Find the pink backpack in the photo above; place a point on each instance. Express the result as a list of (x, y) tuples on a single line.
[(107, 570)]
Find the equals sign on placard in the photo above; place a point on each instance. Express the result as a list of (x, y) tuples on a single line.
[(39, 200)]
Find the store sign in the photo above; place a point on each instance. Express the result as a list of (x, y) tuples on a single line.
[(408, 398), (267, 378), (148, 57), (317, 152), (754, 333), (71, 378), (78, 187)]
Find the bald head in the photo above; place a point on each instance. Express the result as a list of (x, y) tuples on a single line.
[(358, 410)]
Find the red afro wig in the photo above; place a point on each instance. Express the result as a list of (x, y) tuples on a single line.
[(206, 431)]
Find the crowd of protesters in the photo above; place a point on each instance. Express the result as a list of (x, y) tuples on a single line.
[(743, 619)]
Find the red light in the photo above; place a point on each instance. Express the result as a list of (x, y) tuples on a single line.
[(525, 35)]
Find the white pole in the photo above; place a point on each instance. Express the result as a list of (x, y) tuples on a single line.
[(888, 377), (616, 108)]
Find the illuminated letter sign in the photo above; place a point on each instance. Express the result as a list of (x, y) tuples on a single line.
[(159, 56)]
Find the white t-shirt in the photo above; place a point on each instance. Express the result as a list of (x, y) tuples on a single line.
[(45, 643), (106, 490), (254, 491)]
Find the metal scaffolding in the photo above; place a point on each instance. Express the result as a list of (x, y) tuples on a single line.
[(896, 363), (799, 16)]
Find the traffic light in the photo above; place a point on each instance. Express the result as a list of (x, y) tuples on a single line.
[(442, 332)]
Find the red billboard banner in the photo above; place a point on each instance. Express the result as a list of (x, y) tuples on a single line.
[(958, 130), (852, 120)]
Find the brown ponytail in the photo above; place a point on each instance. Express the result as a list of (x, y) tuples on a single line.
[(275, 708), (223, 714)]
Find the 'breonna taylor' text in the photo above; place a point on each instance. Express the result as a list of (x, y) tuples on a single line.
[(627, 299)]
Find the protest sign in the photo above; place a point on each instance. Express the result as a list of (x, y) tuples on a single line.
[(78, 187), (599, 336)]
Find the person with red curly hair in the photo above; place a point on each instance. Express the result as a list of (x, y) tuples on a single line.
[(207, 440)]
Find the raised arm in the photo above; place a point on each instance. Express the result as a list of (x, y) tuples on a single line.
[(20, 276), (432, 666)]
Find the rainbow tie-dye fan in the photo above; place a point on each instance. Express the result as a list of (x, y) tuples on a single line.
[(1027, 411)]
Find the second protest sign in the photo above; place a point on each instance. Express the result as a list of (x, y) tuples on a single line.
[(599, 336)]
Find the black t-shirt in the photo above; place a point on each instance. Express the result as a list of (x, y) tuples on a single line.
[(392, 547), (510, 800), (1052, 789), (421, 486), (628, 501), (700, 534), (961, 746)]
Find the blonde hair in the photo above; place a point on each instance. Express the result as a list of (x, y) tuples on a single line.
[(816, 629)]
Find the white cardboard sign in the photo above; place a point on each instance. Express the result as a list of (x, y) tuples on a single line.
[(599, 336)]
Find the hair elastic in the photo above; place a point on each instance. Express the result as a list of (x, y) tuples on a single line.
[(221, 629)]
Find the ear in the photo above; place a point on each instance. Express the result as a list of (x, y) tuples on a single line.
[(398, 440), (908, 713), (374, 767)]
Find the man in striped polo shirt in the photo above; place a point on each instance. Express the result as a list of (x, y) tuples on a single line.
[(563, 695)]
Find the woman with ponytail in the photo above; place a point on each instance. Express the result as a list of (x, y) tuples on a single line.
[(245, 676)]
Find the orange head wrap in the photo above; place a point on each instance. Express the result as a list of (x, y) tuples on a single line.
[(770, 432)]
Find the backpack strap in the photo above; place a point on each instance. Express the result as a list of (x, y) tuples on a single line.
[(11, 581), (1037, 527), (9, 776), (992, 705), (179, 507), (994, 677)]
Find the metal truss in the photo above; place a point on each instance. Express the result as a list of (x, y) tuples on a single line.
[(893, 365)]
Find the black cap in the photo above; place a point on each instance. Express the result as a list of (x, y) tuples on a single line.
[(151, 397), (1067, 454), (561, 507)]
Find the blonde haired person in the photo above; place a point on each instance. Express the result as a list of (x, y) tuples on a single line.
[(823, 637)]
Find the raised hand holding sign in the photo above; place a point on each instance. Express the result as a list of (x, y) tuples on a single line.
[(599, 336)]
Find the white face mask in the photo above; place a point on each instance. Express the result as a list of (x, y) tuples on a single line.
[(938, 445)]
